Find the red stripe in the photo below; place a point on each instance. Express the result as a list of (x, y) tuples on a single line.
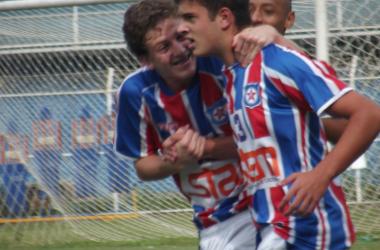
[(176, 108), (256, 114), (152, 138), (280, 221), (331, 75), (212, 92), (294, 94), (229, 85)]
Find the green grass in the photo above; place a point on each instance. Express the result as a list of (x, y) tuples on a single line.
[(163, 244)]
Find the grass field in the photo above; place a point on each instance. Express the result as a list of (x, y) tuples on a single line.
[(166, 244), (173, 231)]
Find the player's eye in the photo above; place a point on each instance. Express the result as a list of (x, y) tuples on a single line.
[(188, 17)]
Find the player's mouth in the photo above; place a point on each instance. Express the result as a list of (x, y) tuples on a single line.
[(183, 59)]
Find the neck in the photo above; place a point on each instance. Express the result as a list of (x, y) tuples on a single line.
[(226, 51), (177, 85)]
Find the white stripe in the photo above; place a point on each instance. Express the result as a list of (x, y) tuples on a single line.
[(297, 124), (308, 166), (332, 100), (143, 130), (270, 127), (189, 110), (329, 83)]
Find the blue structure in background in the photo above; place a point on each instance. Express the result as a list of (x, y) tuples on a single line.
[(121, 177), (14, 173), (47, 146), (85, 154)]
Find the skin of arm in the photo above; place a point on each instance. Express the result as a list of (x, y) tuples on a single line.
[(362, 128), (154, 167), (334, 128), (247, 43)]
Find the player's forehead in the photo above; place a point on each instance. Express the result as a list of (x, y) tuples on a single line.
[(268, 3), (190, 7), (165, 30)]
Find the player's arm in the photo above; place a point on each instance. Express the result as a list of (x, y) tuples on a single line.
[(334, 128), (154, 167), (251, 40), (362, 128)]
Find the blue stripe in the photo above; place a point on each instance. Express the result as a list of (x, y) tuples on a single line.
[(284, 128), (260, 206), (315, 141), (294, 67), (335, 220), (158, 113), (128, 141), (306, 232), (195, 101)]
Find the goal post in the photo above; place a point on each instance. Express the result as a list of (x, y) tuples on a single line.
[(61, 62)]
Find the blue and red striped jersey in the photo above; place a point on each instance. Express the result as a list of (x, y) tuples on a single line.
[(274, 106), (149, 112)]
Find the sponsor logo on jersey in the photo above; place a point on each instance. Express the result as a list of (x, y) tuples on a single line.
[(252, 95)]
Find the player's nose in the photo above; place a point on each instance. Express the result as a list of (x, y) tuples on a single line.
[(256, 18)]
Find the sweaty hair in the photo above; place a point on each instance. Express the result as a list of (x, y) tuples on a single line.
[(240, 9), (140, 18)]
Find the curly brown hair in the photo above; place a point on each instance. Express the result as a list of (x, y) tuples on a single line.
[(142, 17)]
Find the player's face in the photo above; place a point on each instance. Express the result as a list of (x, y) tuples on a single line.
[(169, 53), (272, 12), (198, 26)]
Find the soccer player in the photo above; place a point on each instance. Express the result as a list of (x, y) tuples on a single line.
[(274, 106), (280, 15)]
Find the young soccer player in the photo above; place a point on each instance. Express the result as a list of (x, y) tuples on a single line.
[(273, 106), (280, 15)]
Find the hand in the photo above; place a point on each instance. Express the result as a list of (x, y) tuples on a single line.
[(184, 146), (250, 41), (306, 191)]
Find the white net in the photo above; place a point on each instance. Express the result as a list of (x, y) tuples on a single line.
[(60, 180)]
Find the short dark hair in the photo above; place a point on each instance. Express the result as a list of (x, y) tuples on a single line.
[(240, 9), (140, 17)]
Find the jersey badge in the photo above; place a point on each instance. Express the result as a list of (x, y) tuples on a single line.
[(252, 95), (218, 112)]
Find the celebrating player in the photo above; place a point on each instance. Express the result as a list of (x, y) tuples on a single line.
[(274, 106), (279, 14)]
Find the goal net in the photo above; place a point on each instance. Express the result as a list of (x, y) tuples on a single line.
[(60, 180)]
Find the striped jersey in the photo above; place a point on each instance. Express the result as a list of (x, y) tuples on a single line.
[(149, 112), (274, 106)]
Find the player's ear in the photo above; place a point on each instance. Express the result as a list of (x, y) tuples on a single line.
[(225, 18), (144, 61), (290, 20)]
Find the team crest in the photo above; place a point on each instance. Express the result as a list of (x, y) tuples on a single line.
[(218, 112), (252, 95)]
